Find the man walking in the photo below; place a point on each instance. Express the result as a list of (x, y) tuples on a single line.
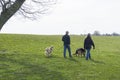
[(66, 41)]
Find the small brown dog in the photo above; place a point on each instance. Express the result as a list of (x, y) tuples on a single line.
[(79, 52)]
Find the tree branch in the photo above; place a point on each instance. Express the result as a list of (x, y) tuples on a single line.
[(33, 9)]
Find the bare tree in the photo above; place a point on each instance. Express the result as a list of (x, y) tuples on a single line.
[(115, 34), (96, 33), (31, 9)]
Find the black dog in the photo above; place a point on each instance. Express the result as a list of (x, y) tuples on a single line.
[(80, 51)]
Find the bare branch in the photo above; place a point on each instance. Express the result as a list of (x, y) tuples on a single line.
[(33, 9)]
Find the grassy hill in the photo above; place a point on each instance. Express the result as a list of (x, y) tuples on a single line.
[(22, 58)]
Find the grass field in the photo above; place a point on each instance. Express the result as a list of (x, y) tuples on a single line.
[(22, 58)]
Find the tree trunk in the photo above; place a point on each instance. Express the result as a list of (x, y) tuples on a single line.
[(9, 12)]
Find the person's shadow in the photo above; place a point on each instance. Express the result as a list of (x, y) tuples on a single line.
[(72, 59), (95, 61)]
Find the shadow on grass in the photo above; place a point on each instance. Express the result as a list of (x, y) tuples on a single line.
[(28, 71), (35, 72), (53, 56), (95, 61), (72, 59), (57, 57)]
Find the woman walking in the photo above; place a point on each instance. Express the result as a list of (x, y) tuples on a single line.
[(88, 43)]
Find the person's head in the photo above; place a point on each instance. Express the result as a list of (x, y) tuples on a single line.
[(67, 32), (88, 36)]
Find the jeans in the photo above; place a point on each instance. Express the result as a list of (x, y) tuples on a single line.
[(69, 50), (88, 55)]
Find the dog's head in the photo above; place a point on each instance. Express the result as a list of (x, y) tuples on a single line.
[(48, 51), (80, 50), (51, 48), (83, 50)]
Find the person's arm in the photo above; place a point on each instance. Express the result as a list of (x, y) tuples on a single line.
[(63, 38), (84, 44), (93, 44), (69, 40)]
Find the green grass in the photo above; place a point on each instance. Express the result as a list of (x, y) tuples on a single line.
[(22, 58)]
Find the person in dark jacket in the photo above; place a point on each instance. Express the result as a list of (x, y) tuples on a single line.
[(88, 43), (66, 41)]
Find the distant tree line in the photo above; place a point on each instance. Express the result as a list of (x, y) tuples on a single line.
[(97, 33)]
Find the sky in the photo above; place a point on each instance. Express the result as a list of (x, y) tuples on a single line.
[(75, 16)]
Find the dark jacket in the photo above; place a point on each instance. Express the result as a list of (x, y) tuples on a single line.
[(66, 39), (88, 42)]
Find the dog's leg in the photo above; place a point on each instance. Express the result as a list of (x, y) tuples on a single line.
[(84, 54), (80, 55)]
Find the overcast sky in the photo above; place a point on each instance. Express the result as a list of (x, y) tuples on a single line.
[(76, 16)]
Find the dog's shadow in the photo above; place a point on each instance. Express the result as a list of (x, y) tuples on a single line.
[(53, 57)]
